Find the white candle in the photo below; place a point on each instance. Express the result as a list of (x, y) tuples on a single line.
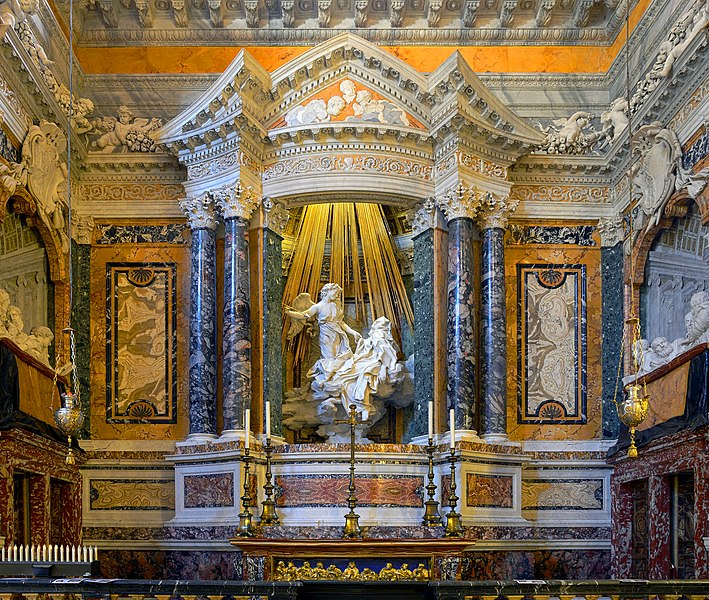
[(430, 419), (84, 553), (452, 419), (56, 553), (22, 552), (44, 553), (268, 419), (32, 552), (61, 553), (247, 427), (14, 552), (95, 552), (91, 554), (3, 554)]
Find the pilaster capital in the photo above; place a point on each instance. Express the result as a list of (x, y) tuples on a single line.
[(82, 228), (495, 211), (199, 211), (611, 230), (275, 215), (235, 201), (422, 216), (460, 201)]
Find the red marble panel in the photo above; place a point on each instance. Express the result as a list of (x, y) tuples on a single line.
[(488, 491), (212, 490), (659, 528), (331, 490), (39, 509)]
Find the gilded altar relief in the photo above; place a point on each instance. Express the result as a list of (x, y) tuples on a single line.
[(552, 343), (350, 102)]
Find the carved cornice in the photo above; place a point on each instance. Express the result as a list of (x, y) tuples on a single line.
[(235, 201), (199, 211), (495, 211)]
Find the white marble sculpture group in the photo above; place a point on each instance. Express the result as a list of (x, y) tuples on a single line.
[(12, 327), (365, 377), (652, 355)]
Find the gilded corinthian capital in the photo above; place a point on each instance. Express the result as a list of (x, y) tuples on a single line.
[(495, 211), (235, 201), (199, 211)]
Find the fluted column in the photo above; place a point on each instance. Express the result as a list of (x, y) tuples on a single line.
[(203, 308), (493, 217), (236, 205), (460, 207)]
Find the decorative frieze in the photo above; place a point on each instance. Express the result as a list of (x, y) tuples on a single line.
[(130, 192), (199, 211), (557, 193), (352, 163)]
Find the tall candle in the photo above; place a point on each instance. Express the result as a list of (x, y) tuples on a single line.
[(430, 419), (247, 427), (84, 553), (268, 419), (14, 552), (452, 419), (3, 554), (32, 552), (22, 552), (44, 553), (61, 553), (91, 554)]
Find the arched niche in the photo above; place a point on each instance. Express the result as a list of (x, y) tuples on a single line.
[(21, 202)]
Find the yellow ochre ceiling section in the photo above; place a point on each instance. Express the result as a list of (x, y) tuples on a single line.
[(482, 59)]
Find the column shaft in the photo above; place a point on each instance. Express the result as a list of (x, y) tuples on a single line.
[(461, 343), (203, 338), (493, 377), (236, 337)]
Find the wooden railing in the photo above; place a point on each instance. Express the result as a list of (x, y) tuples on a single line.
[(139, 589)]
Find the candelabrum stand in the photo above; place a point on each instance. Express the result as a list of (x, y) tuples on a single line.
[(454, 528), (245, 528), (431, 516), (352, 529), (269, 516)]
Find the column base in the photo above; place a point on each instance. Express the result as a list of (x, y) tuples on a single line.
[(461, 435), (276, 440), (498, 438), (234, 435), (196, 439)]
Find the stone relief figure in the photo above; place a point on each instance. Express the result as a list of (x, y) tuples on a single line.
[(125, 134), (44, 174), (615, 119), (15, 11), (658, 173), (650, 356), (342, 377), (352, 105), (12, 327), (574, 135)]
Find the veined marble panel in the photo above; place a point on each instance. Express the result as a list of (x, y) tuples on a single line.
[(552, 343), (577, 235), (149, 325), (562, 494), (202, 491), (589, 427), (489, 491), (331, 490), (131, 494), (170, 233), (141, 346)]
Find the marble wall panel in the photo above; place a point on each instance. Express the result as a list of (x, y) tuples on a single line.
[(588, 421), (562, 494), (489, 491), (131, 494), (323, 490), (213, 490), (140, 342), (551, 344), (537, 564), (166, 564), (167, 233), (613, 320), (152, 322)]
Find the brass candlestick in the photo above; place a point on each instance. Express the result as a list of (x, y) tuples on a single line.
[(245, 528), (431, 516), (454, 528), (352, 529), (269, 516)]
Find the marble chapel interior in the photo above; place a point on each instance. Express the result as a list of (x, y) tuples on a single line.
[(393, 290)]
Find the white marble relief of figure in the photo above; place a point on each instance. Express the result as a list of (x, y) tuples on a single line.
[(12, 327), (125, 132), (341, 377), (15, 11), (364, 108), (650, 356)]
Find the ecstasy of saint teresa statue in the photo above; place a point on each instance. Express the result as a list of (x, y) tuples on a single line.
[(342, 377)]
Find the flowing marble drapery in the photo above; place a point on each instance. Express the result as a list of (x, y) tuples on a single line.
[(203, 308)]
